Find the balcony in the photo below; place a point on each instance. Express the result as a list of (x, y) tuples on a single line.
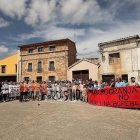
[(29, 70), (51, 68), (39, 70), (114, 60)]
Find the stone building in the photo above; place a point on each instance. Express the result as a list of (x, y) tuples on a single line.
[(46, 60), (119, 58)]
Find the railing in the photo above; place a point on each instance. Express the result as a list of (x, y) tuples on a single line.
[(39, 70), (29, 70), (51, 68), (113, 60)]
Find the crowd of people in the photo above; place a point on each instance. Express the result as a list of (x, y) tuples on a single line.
[(75, 90)]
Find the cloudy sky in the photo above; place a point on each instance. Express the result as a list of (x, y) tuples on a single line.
[(93, 21)]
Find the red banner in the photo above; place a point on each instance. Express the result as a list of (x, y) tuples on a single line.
[(127, 97)]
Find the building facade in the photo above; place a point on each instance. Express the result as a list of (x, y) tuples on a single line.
[(119, 59), (83, 69), (47, 60), (8, 66)]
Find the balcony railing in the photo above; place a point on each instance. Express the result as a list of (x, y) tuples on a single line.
[(39, 70), (29, 70), (51, 68), (114, 60)]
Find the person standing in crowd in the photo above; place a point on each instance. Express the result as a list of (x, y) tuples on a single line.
[(65, 91), (74, 86), (90, 87), (58, 90), (69, 90), (54, 90), (4, 93), (78, 91), (49, 90), (124, 82), (119, 83), (32, 90), (43, 90), (96, 85), (18, 90), (36, 90), (21, 88), (6, 86), (0, 92), (101, 85), (84, 93), (112, 83), (107, 86), (81, 90), (132, 82), (25, 91), (44, 85)]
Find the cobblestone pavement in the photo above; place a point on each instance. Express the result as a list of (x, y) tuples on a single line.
[(54, 120)]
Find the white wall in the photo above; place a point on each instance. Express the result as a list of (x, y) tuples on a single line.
[(84, 65)]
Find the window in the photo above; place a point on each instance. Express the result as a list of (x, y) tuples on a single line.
[(26, 79), (39, 64), (114, 58), (103, 58), (52, 78), (52, 48), (39, 79), (125, 77), (16, 68), (30, 50), (3, 69), (39, 69), (29, 67), (51, 65), (40, 49)]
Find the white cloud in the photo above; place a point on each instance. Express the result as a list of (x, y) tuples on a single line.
[(87, 39), (3, 49), (12, 51), (106, 22), (119, 31), (40, 11), (80, 11), (3, 23), (77, 12), (13, 8), (50, 33)]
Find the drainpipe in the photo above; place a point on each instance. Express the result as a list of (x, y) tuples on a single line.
[(18, 69), (21, 65)]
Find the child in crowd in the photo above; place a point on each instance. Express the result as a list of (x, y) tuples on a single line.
[(84, 94)]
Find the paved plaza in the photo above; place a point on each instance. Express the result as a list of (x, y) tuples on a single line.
[(55, 120)]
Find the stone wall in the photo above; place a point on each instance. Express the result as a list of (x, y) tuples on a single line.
[(60, 57), (128, 63)]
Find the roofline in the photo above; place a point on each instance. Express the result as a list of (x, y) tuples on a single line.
[(8, 56), (138, 40), (47, 42), (121, 39), (81, 61), (8, 75)]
